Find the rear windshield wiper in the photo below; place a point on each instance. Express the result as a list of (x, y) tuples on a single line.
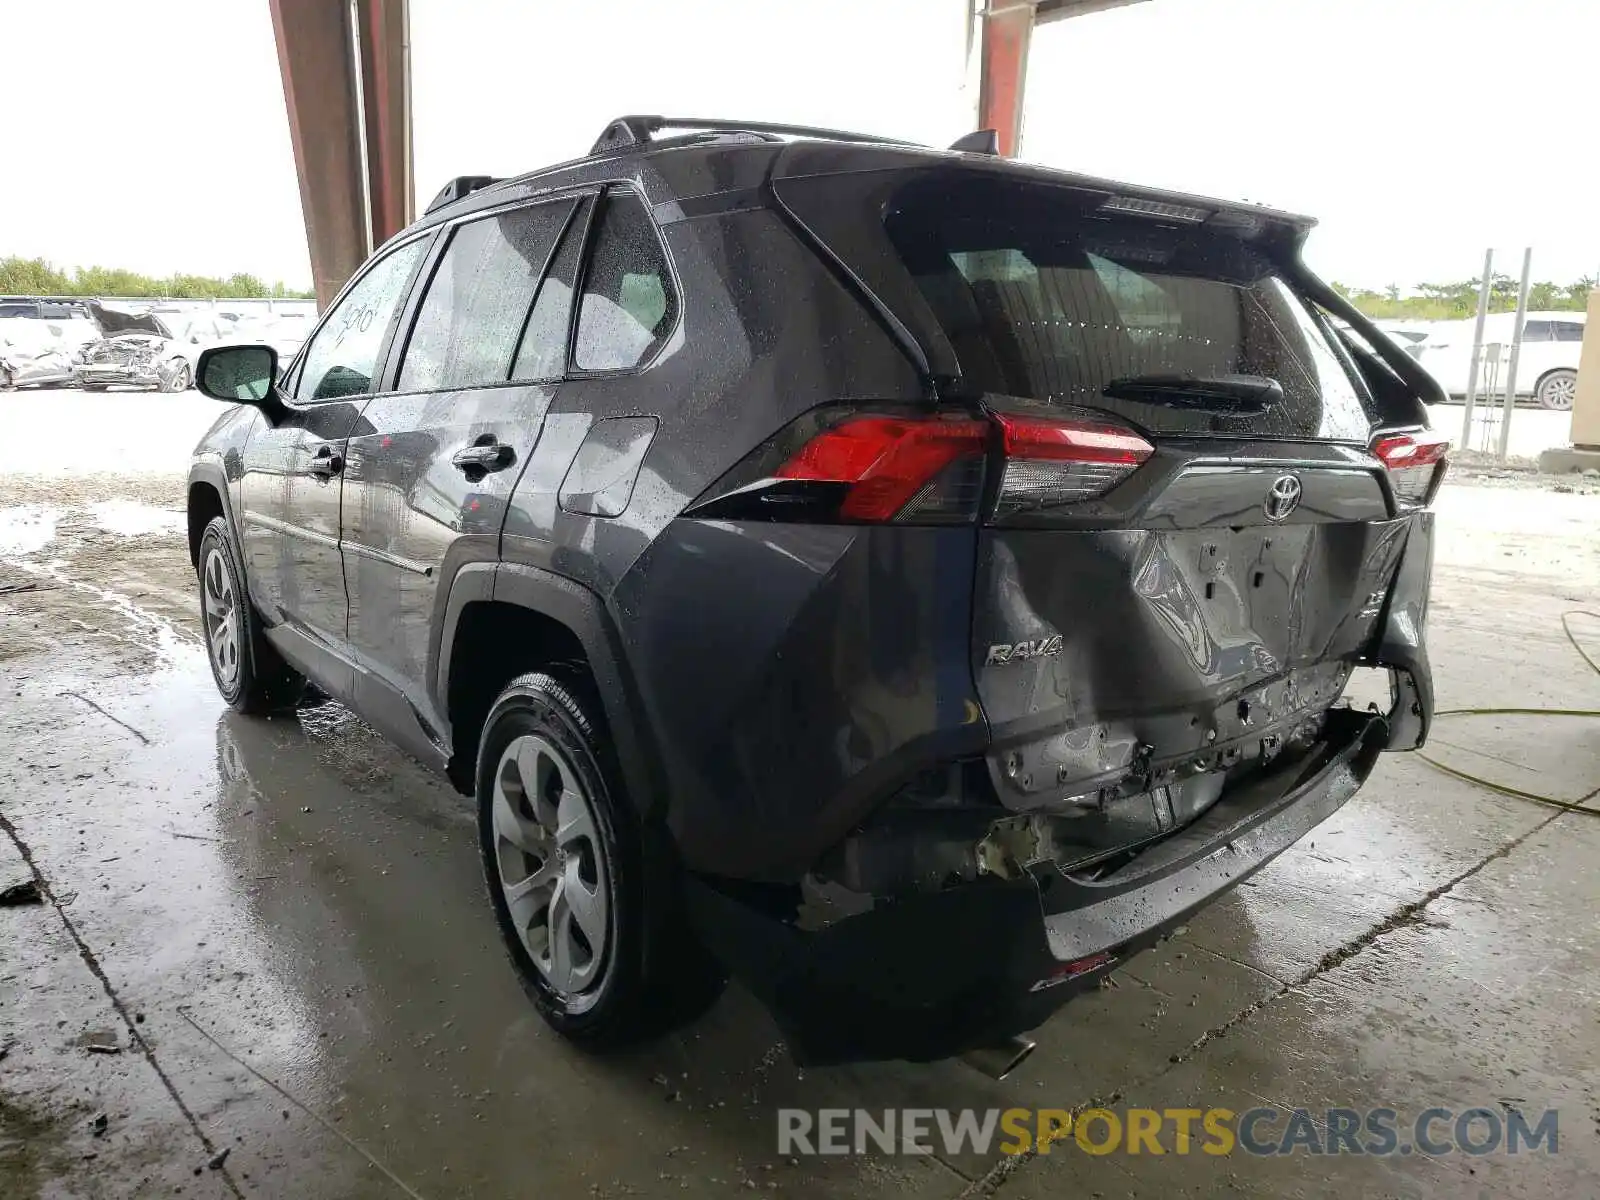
[(1216, 393)]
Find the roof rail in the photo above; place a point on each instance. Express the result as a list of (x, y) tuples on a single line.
[(632, 131), (461, 185)]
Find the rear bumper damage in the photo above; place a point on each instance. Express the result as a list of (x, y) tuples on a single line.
[(1402, 645), (929, 975)]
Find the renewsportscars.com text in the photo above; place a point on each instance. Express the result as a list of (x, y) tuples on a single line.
[(1264, 1132)]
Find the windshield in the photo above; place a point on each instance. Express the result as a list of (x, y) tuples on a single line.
[(1053, 302)]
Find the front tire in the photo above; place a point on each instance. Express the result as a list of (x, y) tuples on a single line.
[(180, 380), (597, 939), (248, 672)]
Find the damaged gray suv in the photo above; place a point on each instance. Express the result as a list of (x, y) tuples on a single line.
[(908, 580)]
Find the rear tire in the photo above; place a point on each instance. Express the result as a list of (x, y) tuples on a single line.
[(594, 928), (248, 671), (1557, 390)]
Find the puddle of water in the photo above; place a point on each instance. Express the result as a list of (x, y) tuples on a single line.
[(131, 518), (27, 528)]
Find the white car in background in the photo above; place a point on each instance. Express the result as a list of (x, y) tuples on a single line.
[(160, 347), (138, 350), (1409, 336), (284, 332), (1547, 370), (39, 339)]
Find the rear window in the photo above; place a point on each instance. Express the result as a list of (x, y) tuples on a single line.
[(628, 305), (1046, 298)]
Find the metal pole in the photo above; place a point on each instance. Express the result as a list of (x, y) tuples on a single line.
[(1007, 30), (1477, 348), (318, 62), (1516, 352)]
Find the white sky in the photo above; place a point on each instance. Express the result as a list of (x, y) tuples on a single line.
[(158, 141)]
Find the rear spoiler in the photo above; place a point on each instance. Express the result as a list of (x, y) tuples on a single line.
[(1250, 221), (865, 262), (1427, 389)]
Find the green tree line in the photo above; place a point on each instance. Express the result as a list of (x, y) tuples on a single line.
[(1453, 301), (36, 277)]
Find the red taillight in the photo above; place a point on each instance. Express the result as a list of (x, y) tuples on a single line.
[(888, 462), (1402, 450), (1056, 461), (916, 467), (1071, 441), (1414, 461)]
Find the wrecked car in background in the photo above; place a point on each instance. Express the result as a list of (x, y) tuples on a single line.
[(137, 351), (39, 342), (33, 361)]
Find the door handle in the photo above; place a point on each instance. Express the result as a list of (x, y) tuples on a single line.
[(325, 463), (486, 454)]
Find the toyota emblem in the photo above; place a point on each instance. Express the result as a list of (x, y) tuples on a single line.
[(1283, 497)]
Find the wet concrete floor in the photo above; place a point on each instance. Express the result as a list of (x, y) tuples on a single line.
[(266, 965)]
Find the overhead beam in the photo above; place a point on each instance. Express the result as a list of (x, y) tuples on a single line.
[(316, 58), (1006, 33), (385, 41), (1007, 28), (1052, 10)]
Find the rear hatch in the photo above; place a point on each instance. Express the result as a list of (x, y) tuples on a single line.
[(1189, 527)]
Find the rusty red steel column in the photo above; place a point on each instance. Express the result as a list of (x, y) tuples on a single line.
[(385, 39), (1007, 30), (317, 60)]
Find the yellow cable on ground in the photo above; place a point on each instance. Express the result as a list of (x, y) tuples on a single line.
[(1517, 793)]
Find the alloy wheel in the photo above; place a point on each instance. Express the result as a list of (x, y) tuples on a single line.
[(552, 868), (1558, 392), (221, 617)]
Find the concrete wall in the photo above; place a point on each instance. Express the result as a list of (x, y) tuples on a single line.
[(1586, 406)]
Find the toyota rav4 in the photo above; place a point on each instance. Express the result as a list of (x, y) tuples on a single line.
[(909, 580)]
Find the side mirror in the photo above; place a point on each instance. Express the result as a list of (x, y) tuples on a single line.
[(238, 374)]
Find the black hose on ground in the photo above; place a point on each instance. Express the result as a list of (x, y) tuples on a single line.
[(1518, 793)]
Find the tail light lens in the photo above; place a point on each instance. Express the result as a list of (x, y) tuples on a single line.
[(1054, 461), (896, 468), (1416, 464), (917, 467)]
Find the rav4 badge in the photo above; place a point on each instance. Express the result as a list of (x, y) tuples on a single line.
[(1007, 652)]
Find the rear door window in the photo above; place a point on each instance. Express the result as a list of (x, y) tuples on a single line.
[(480, 299), (1537, 331), (628, 305), (1043, 298), (542, 353)]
